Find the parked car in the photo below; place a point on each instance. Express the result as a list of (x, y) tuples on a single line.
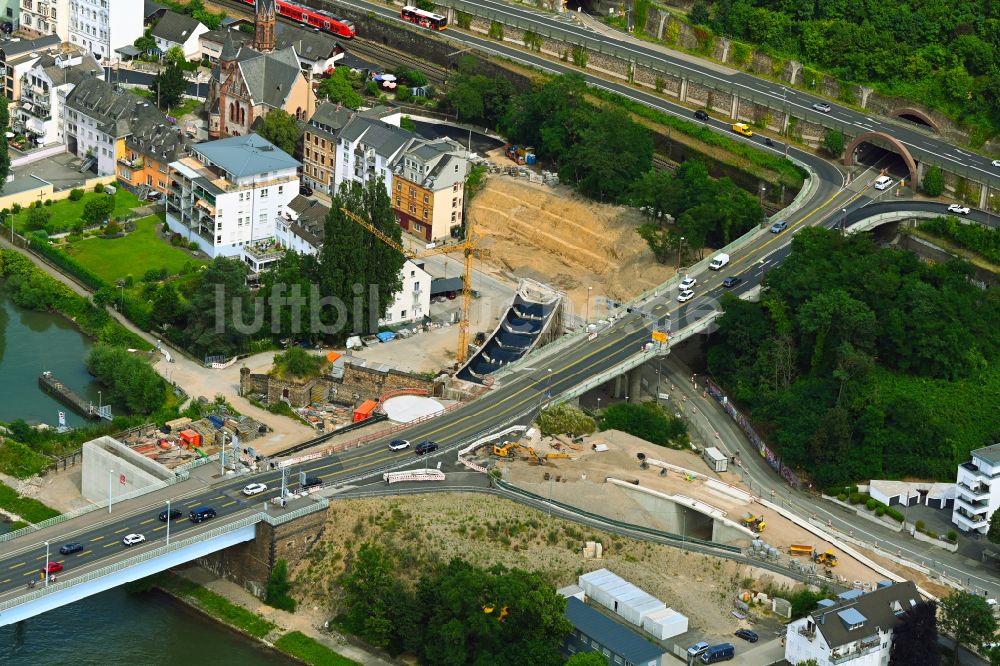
[(822, 107), (71, 548), (154, 196), (52, 567), (957, 208), (425, 447), (732, 281), (779, 226), (697, 648), (398, 445), (701, 114), (174, 515), (305, 190), (201, 514), (747, 635), (255, 489), (133, 539), (687, 283), (686, 295)]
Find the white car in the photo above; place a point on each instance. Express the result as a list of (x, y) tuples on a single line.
[(255, 489), (132, 539), (685, 295), (399, 445), (961, 210), (822, 107), (996, 163), (687, 283)]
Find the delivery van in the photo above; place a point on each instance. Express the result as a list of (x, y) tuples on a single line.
[(718, 261)]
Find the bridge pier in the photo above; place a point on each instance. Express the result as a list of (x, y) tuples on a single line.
[(635, 384), (684, 89), (734, 111)]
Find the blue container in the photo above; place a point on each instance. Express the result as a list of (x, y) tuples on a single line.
[(530, 158), (216, 421)]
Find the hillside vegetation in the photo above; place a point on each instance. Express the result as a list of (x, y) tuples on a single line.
[(862, 362)]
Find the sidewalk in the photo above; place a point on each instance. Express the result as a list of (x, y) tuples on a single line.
[(308, 620)]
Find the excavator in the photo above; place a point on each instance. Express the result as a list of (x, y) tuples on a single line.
[(755, 523), (828, 558), (508, 449)]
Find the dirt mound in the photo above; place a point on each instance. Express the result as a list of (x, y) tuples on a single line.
[(555, 236)]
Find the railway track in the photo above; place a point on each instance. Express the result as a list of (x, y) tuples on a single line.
[(379, 54)]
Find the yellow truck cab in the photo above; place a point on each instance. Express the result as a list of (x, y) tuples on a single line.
[(742, 128)]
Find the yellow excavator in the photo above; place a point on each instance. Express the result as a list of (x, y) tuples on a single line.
[(755, 523), (828, 558)]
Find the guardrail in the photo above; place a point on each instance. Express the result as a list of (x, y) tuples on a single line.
[(868, 223)]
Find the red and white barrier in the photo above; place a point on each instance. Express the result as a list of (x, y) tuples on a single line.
[(414, 475)]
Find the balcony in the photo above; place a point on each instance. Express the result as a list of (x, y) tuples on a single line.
[(132, 164), (974, 491), (864, 650), (809, 634), (972, 506), (969, 521)]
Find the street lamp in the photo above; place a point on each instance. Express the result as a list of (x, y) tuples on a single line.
[(762, 191), (589, 289), (548, 384), (46, 564), (168, 522), (843, 222), (680, 250), (598, 403)]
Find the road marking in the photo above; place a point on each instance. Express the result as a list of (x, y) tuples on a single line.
[(228, 504), (145, 522), (32, 573), (98, 538), (124, 529), (113, 543), (219, 497), (6, 581), (161, 527), (86, 552), (19, 564), (194, 503)]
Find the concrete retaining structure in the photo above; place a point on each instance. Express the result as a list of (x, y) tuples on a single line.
[(105, 460)]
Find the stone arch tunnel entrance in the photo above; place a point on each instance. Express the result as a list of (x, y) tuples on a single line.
[(885, 141), (917, 117)]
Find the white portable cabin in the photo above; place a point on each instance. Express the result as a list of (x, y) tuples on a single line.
[(665, 623), (715, 459)]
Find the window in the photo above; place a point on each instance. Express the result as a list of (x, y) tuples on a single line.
[(413, 273), (618, 659), (454, 188), (413, 192), (399, 202), (425, 213), (426, 198), (399, 186), (402, 314), (263, 193), (218, 226), (263, 218), (218, 239), (281, 188), (454, 202), (418, 227), (456, 168)]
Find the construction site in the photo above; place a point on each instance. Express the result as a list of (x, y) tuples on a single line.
[(618, 476)]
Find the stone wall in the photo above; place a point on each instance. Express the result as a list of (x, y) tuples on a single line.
[(363, 383), (298, 394), (249, 564)]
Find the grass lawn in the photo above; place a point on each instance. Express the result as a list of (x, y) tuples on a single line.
[(66, 213), (132, 255), (310, 651), (185, 106)]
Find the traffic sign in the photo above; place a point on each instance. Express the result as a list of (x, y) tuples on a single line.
[(659, 336)]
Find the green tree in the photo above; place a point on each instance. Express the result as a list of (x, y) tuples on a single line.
[(563, 418), (278, 588), (338, 88), (648, 421), (602, 133), (426, 5), (220, 318), (169, 85), (174, 55), (933, 182), (915, 638), (147, 42), (281, 129), (403, 93), (356, 267), (968, 619), (994, 532), (98, 209), (699, 13), (4, 112), (166, 305), (210, 20), (131, 380), (587, 659), (368, 586), (297, 363), (36, 218), (833, 142)]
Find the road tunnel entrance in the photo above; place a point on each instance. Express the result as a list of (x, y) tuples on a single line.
[(875, 148)]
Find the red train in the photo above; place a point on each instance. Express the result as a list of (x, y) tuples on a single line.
[(317, 18)]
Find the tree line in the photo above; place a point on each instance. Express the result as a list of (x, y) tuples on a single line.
[(454, 614), (861, 362), (943, 53)]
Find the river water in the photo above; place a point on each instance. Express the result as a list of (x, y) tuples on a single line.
[(112, 628)]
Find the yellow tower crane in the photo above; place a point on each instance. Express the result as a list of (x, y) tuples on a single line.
[(470, 248)]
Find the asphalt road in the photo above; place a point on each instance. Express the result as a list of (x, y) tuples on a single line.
[(924, 145)]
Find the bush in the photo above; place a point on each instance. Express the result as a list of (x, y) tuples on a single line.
[(647, 421), (99, 188), (278, 587), (564, 418), (855, 498), (20, 460), (871, 504), (933, 182), (112, 229), (193, 245), (176, 239), (75, 194), (16, 208), (48, 202), (920, 525), (842, 497), (879, 511), (932, 534), (894, 514), (952, 536), (151, 275)]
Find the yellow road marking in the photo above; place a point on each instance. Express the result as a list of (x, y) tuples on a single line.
[(161, 527), (146, 522), (20, 564), (113, 543), (86, 552), (32, 573), (124, 529), (6, 581), (98, 538), (228, 504)]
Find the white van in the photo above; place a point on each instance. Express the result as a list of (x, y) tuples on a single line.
[(883, 182), (718, 261)]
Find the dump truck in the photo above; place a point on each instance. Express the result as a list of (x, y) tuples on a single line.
[(755, 523), (799, 549), (829, 558)]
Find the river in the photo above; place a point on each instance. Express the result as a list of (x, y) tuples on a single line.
[(113, 627), (31, 342)]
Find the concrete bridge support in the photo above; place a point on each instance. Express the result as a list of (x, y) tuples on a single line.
[(684, 89), (734, 111), (635, 384)]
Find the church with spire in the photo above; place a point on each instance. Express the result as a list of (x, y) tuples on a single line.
[(248, 83)]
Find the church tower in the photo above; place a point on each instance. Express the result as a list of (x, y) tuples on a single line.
[(264, 36)]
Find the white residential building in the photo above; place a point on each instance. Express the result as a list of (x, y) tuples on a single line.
[(44, 88), (977, 490), (101, 26), (854, 630), (301, 228), (46, 17), (367, 149), (228, 193), (179, 30)]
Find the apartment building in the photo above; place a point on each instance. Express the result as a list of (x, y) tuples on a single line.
[(977, 490), (319, 146), (227, 193), (179, 30), (368, 149), (43, 91), (144, 168), (854, 630), (46, 17), (16, 58), (98, 119), (101, 26), (428, 188)]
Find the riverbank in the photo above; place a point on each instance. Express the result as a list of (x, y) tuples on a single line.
[(298, 635)]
